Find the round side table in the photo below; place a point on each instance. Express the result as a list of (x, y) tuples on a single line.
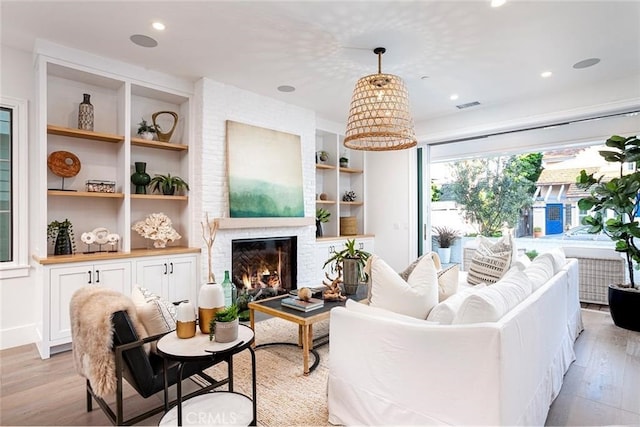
[(216, 407)]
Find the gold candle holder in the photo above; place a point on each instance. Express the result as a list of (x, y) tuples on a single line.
[(205, 315), (186, 329)]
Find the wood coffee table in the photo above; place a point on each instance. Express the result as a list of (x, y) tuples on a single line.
[(304, 320)]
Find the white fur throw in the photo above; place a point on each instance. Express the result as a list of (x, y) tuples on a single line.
[(91, 309)]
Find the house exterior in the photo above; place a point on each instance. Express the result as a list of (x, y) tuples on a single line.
[(555, 207)]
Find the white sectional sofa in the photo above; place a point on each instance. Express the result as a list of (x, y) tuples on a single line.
[(390, 369)]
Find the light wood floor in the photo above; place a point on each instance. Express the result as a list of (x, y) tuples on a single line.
[(602, 387)]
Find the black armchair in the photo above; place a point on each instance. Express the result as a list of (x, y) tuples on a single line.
[(145, 372)]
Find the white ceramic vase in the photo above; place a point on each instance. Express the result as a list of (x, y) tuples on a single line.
[(185, 320), (147, 135), (210, 301)]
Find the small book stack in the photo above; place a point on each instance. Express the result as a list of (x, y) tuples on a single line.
[(298, 304)]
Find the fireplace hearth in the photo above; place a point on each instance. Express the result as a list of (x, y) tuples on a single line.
[(264, 267)]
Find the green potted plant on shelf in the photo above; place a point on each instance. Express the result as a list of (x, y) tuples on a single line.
[(445, 238), (349, 262), (167, 184), (224, 325), (61, 234), (621, 197), (147, 131), (344, 162), (322, 215)]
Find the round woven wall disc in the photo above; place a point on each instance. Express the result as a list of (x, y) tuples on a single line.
[(64, 164)]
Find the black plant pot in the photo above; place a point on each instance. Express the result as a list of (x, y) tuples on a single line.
[(625, 307), (318, 229), (63, 245)]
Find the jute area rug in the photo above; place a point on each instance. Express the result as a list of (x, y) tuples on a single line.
[(285, 396)]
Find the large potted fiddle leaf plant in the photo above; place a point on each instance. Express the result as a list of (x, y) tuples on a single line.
[(614, 209)]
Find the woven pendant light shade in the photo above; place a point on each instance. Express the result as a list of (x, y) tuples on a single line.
[(379, 116)]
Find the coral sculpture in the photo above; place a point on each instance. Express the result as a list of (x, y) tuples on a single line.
[(157, 227)]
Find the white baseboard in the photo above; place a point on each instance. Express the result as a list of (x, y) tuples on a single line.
[(21, 335)]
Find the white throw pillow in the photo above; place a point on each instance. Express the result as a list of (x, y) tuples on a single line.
[(491, 303), (540, 271), (446, 311), (407, 271), (414, 298), (490, 260), (352, 305), (153, 312)]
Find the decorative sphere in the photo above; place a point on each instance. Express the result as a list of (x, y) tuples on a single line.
[(304, 294)]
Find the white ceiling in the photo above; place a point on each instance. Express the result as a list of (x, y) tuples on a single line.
[(491, 55)]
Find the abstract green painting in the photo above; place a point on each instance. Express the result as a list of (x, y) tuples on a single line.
[(265, 172)]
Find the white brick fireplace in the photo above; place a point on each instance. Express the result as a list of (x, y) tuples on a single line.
[(215, 103)]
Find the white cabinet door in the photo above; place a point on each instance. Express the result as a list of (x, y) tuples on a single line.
[(152, 274), (366, 244), (173, 278), (182, 279), (116, 276), (64, 281), (324, 251)]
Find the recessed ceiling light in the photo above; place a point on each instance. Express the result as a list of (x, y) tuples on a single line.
[(453, 97), (497, 3), (158, 26), (286, 88), (142, 40), (546, 74), (585, 63)]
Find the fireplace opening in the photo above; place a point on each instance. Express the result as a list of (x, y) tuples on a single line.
[(264, 267)]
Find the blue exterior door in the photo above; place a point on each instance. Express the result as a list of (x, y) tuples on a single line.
[(553, 218)]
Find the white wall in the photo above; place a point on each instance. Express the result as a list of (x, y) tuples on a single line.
[(391, 205), (17, 309)]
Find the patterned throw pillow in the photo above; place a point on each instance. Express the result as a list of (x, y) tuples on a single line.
[(157, 315), (491, 260)]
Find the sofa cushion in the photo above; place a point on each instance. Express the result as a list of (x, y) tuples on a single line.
[(352, 305), (490, 260), (540, 271), (407, 271), (521, 262), (415, 297), (491, 303), (558, 258), (448, 282), (446, 311), (447, 277), (156, 314)]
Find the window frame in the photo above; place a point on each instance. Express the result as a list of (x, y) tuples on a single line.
[(19, 267)]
